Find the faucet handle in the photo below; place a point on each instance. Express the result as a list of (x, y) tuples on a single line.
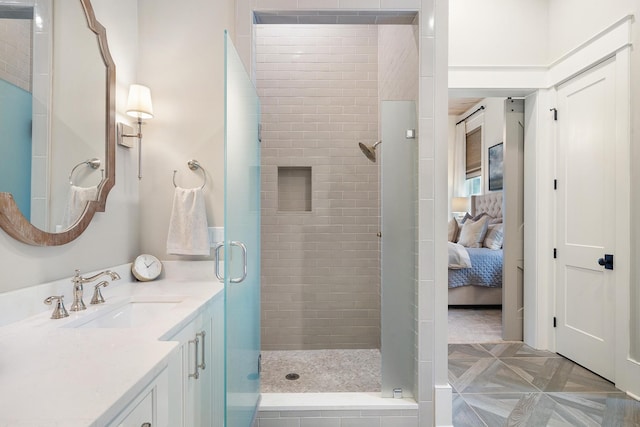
[(76, 277), (59, 311), (97, 295)]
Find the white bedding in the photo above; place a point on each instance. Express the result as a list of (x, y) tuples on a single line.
[(458, 257)]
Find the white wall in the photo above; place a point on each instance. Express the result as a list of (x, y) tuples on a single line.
[(572, 22), (498, 32), (182, 61), (112, 237), (536, 32)]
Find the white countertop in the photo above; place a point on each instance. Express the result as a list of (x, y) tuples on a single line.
[(55, 375)]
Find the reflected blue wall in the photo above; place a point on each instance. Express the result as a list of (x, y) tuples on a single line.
[(15, 144)]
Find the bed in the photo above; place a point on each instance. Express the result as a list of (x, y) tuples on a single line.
[(481, 284)]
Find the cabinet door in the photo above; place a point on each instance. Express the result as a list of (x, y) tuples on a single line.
[(198, 390), (150, 406), (192, 374), (141, 414)]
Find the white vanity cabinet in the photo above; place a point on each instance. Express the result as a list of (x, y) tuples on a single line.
[(194, 381), (150, 408)]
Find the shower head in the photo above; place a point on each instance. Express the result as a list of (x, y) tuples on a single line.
[(369, 151)]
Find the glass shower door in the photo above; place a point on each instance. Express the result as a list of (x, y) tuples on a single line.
[(399, 195), (241, 243)]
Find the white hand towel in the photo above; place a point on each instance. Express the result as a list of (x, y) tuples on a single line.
[(77, 201), (188, 230)]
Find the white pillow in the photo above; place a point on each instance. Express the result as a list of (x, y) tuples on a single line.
[(453, 230), (473, 232), (495, 236), (458, 257)]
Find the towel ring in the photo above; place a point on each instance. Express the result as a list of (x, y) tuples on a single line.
[(92, 163), (193, 165)]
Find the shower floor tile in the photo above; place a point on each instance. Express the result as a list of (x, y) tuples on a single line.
[(321, 371)]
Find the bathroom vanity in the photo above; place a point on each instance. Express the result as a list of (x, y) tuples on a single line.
[(152, 353)]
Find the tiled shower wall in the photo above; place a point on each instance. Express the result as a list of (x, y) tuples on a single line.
[(398, 67), (318, 87), (15, 52)]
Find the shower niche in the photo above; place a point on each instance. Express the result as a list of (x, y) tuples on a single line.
[(294, 188)]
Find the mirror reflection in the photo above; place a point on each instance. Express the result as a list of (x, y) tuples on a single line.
[(52, 112)]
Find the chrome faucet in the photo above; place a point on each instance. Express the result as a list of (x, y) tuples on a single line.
[(59, 311), (78, 288)]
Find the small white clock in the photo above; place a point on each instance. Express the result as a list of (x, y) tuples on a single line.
[(146, 267)]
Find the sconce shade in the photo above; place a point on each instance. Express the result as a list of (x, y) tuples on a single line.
[(139, 102), (460, 204)]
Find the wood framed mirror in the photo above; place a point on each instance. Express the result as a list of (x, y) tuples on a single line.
[(76, 114)]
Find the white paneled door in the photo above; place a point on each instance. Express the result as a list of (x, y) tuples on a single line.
[(586, 228)]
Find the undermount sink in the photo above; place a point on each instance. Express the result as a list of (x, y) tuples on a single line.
[(131, 314)]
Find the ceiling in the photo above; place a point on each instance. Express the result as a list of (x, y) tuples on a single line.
[(457, 106)]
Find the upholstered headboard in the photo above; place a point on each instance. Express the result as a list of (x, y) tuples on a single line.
[(490, 203)]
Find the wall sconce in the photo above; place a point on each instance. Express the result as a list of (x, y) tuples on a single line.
[(139, 106), (460, 205)]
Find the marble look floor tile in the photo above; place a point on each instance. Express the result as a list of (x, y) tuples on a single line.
[(516, 385), (486, 376), (558, 374), (507, 409), (468, 351), (621, 410), (516, 349), (612, 409), (463, 415), (541, 409)]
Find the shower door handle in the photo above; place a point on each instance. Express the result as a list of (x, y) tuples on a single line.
[(217, 261), (244, 262)]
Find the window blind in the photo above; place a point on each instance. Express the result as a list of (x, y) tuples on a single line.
[(474, 153)]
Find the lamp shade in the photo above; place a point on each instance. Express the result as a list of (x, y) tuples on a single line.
[(139, 102), (460, 204)]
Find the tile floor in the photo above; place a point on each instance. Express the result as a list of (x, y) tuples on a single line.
[(494, 384), (321, 371), (511, 384)]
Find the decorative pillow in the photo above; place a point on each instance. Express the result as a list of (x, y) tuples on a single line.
[(495, 236), (465, 218), (473, 233), (495, 221), (453, 230)]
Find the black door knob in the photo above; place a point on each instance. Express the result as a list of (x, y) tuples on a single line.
[(606, 262)]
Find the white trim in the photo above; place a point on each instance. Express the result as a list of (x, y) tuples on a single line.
[(627, 371), (601, 46), (625, 20), (497, 77), (443, 402)]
